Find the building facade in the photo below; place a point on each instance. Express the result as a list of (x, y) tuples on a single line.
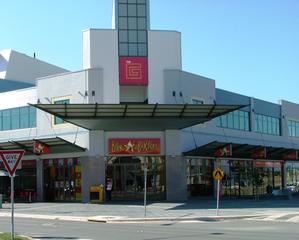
[(81, 129)]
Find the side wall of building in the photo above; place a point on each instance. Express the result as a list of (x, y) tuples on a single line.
[(164, 52), (100, 50), (23, 68)]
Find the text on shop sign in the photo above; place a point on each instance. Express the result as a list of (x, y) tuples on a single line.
[(134, 146)]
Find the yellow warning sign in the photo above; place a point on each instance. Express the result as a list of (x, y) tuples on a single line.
[(218, 174)]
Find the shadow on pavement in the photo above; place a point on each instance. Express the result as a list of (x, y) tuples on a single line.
[(238, 204)]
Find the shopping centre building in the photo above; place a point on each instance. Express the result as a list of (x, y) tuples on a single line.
[(132, 110)]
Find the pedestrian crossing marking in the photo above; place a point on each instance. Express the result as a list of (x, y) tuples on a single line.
[(278, 217)]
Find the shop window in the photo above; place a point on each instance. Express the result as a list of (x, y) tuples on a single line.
[(127, 174), (58, 120), (199, 177), (292, 177), (62, 179)]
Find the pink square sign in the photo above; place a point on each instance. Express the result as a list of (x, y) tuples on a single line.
[(133, 71)]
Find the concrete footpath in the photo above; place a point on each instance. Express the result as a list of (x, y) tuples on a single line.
[(192, 210)]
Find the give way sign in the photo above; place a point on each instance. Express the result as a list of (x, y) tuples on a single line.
[(11, 159)]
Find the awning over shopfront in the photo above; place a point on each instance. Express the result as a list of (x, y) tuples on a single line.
[(246, 151), (42, 146), (136, 117)]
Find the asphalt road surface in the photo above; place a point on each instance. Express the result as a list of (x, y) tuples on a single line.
[(232, 230)]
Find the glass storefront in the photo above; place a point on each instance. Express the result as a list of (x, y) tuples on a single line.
[(238, 178), (24, 182), (62, 179), (292, 176), (127, 174), (199, 177), (249, 178), (243, 178)]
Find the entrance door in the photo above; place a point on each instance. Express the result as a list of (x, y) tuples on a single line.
[(60, 183), (69, 183), (128, 177)]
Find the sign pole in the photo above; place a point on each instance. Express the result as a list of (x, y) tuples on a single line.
[(12, 206), (218, 174), (145, 180), (218, 193), (11, 159)]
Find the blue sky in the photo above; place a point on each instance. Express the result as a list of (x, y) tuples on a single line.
[(247, 46)]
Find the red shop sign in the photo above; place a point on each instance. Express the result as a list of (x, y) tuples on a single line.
[(266, 164), (133, 71), (134, 146)]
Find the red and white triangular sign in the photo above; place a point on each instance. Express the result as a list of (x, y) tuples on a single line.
[(11, 159)]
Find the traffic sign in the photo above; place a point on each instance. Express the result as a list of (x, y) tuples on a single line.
[(11, 159), (218, 174)]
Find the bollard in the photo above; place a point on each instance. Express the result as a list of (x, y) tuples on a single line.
[(0, 201)]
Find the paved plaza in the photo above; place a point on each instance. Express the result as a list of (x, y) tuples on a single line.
[(196, 209)]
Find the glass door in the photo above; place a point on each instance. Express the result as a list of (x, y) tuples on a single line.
[(59, 185), (128, 177), (62, 183), (69, 183)]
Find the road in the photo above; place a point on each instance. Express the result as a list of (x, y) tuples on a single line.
[(232, 230)]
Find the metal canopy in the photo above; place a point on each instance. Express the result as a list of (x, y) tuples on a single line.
[(56, 145), (238, 150), (142, 117)]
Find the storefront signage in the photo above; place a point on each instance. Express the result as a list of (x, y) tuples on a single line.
[(292, 155), (259, 153), (66, 162), (225, 151), (40, 148), (133, 71), (134, 146), (266, 164)]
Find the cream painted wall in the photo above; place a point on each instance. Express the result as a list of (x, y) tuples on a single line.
[(164, 48), (100, 50)]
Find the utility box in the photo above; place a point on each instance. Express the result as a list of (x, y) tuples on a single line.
[(97, 194)]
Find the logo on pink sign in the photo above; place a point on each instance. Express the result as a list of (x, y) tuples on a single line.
[(133, 71)]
